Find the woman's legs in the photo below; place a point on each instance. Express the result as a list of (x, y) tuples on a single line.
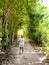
[(21, 49)]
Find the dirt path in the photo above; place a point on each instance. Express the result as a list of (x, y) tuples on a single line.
[(29, 57)]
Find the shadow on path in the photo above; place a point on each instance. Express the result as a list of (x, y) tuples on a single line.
[(30, 56)]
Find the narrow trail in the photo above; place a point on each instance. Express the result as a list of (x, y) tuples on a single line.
[(29, 57)]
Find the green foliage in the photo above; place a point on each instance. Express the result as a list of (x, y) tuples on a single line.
[(38, 26), (27, 15)]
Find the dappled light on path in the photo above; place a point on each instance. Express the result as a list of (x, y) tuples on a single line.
[(30, 56)]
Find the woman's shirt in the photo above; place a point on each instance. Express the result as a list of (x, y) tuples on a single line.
[(21, 41)]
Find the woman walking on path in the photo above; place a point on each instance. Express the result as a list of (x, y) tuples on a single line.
[(21, 43)]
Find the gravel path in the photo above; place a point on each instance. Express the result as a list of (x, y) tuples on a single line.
[(29, 57)]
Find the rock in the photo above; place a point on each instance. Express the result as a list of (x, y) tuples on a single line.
[(1, 52)]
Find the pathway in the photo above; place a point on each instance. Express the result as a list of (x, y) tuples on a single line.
[(30, 56)]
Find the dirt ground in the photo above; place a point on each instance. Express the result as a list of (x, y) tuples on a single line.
[(31, 56)]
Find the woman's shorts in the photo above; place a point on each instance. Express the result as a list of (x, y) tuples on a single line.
[(21, 45)]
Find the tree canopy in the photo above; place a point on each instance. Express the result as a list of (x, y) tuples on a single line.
[(27, 15)]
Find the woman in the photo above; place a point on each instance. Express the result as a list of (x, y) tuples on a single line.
[(21, 43)]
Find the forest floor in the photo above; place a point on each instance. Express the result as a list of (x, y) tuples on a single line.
[(31, 56)]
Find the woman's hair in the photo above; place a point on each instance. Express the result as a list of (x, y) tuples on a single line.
[(21, 36)]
